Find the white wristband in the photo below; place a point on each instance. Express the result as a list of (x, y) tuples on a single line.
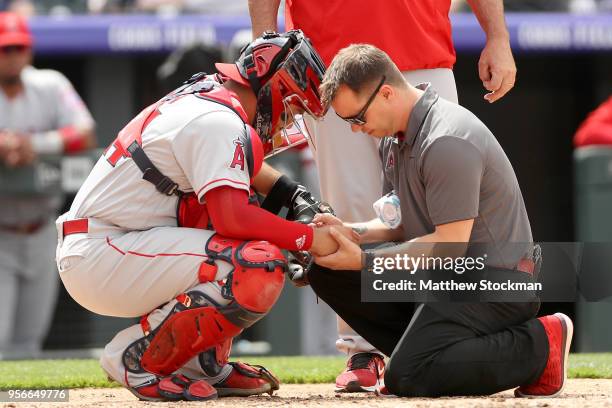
[(47, 143)]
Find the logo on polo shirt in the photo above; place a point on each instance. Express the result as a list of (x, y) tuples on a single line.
[(390, 160)]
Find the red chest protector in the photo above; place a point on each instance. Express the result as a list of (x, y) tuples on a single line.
[(190, 212)]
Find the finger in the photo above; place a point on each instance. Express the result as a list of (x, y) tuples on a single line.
[(484, 71), (326, 218), (340, 238), (495, 82), (503, 90)]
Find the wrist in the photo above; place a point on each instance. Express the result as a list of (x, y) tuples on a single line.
[(498, 36), (309, 238)]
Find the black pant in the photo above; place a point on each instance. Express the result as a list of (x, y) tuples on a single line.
[(440, 348)]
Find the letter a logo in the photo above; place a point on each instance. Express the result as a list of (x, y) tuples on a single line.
[(238, 159)]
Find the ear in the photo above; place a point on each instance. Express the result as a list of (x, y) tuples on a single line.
[(387, 91)]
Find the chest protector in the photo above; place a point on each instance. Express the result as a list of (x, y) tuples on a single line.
[(190, 212)]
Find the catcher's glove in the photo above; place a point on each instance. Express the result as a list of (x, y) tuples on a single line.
[(299, 263), (304, 206), (303, 209)]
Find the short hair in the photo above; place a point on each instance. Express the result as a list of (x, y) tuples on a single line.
[(360, 67)]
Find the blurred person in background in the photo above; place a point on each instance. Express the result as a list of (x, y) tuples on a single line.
[(40, 114), (417, 36), (597, 127)]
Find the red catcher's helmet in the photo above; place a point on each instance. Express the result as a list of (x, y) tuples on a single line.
[(284, 71)]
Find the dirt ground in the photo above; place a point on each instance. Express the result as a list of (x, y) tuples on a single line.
[(578, 393)]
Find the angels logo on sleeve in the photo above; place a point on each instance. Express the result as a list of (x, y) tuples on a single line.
[(239, 155)]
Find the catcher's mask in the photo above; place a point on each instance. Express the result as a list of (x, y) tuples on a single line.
[(284, 71)]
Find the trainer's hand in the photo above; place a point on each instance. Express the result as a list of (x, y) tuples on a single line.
[(323, 243), (326, 219), (347, 257), (496, 68), (322, 219)]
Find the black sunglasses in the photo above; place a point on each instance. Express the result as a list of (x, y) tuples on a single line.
[(359, 118), (9, 49)]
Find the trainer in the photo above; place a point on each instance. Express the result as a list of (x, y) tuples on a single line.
[(451, 182)]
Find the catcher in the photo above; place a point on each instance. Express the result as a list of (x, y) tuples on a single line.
[(166, 226)]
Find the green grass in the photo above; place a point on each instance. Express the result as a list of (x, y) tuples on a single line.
[(591, 365), (35, 374), (290, 370)]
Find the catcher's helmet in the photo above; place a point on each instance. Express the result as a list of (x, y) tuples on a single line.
[(284, 71)]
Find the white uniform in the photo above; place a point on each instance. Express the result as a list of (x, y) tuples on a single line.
[(134, 258), (28, 283), (350, 176)]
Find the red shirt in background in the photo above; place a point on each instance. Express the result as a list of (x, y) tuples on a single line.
[(597, 127), (415, 33)]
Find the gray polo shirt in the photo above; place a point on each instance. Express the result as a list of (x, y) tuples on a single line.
[(449, 167)]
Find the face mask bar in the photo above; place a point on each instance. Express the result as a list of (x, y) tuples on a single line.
[(293, 132)]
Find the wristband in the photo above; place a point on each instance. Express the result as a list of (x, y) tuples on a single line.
[(72, 139), (280, 195), (47, 142), (67, 139)]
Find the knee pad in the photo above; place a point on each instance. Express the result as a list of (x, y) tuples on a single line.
[(212, 361), (197, 324), (193, 325), (256, 280)]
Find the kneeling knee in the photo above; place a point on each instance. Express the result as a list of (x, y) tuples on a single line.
[(405, 380)]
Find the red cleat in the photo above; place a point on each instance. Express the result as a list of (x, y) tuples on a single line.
[(178, 387), (245, 380), (363, 373), (559, 330), (148, 391)]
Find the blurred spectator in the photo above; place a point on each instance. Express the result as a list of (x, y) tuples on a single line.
[(597, 127), (40, 113)]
